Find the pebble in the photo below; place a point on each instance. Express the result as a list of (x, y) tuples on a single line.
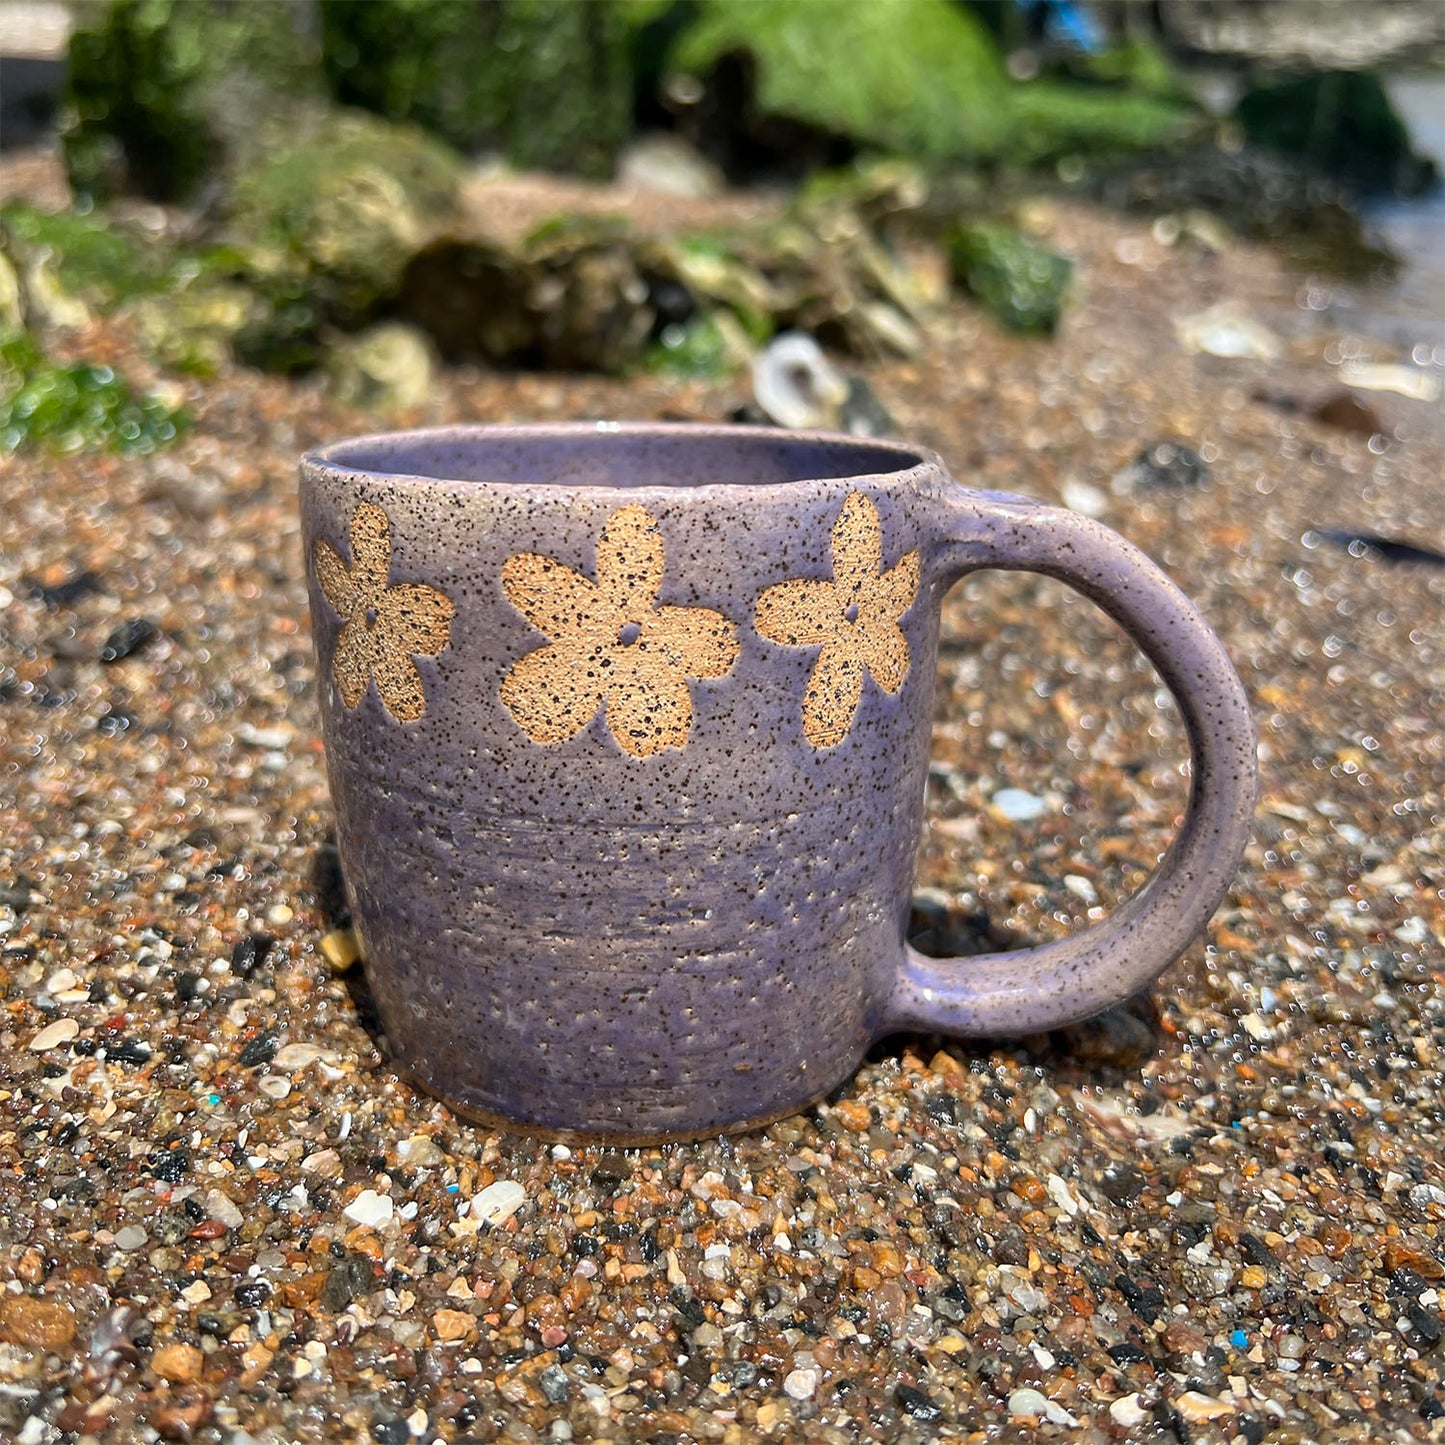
[(1198, 1408), (452, 1325), (1128, 1412), (132, 1237), (180, 1364), (370, 1208), (223, 1208), (298, 1056), (1018, 806), (342, 949), (498, 1202), (53, 1035), (39, 1324), (1030, 1404), (800, 1384)]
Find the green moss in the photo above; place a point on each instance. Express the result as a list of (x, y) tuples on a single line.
[(92, 258), (162, 94), (550, 84), (75, 407), (693, 349), (1021, 285), (922, 78)]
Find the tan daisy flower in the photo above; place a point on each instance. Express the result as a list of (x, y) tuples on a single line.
[(611, 643), (853, 618), (384, 627)]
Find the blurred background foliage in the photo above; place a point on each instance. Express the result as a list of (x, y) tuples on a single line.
[(316, 160)]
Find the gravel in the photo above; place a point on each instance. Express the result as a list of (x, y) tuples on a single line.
[(1214, 1215)]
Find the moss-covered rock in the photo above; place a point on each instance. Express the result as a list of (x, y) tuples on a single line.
[(1343, 123), (162, 94), (323, 229), (1021, 285), (921, 78), (548, 84)]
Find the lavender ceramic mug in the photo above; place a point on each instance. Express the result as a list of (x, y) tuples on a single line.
[(627, 729)]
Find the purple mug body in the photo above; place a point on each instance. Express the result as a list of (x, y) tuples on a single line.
[(627, 728)]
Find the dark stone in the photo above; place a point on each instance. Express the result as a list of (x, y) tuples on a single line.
[(253, 1294), (170, 1165), (1256, 1251), (554, 1384), (1168, 464), (128, 1051), (345, 1280), (1122, 1183), (1146, 1300), (914, 1402), (1126, 1354), (1425, 1322), (1348, 412), (18, 893), (250, 953), (129, 638), (390, 1430), (259, 1051), (188, 987), (68, 593), (1374, 546)]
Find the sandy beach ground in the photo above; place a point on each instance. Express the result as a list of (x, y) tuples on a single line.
[(1216, 1216)]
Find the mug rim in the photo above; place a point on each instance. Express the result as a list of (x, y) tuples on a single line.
[(346, 457)]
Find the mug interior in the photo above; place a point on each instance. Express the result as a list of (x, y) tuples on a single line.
[(611, 455)]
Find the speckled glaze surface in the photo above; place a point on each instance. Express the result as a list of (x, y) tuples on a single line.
[(627, 730)]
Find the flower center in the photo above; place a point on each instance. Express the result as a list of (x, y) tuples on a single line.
[(851, 612), (628, 633), (371, 617)]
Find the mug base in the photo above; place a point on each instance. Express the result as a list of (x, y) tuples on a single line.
[(620, 1139)]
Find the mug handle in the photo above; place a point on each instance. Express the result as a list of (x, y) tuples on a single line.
[(1034, 989)]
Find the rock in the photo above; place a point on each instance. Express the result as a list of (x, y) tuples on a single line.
[(1342, 123), (498, 1202), (1017, 806), (1165, 464), (796, 385), (39, 1324), (130, 1238), (220, 1207), (1021, 285), (1346, 411), (180, 1364), (666, 164), (1029, 1404), (800, 1384), (1199, 1409), (1228, 330), (388, 367), (1117, 1038), (1372, 545), (451, 1325), (326, 224), (182, 1414), (1406, 381), (54, 1034), (921, 78), (488, 76), (370, 1209), (1127, 1411)]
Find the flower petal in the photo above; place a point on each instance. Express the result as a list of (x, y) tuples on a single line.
[(370, 553), (335, 578), (857, 546), (352, 661), (399, 684), (649, 708), (884, 650), (800, 613), (554, 692), (831, 701), (695, 640), (414, 619), (630, 561), (894, 592), (556, 600)]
